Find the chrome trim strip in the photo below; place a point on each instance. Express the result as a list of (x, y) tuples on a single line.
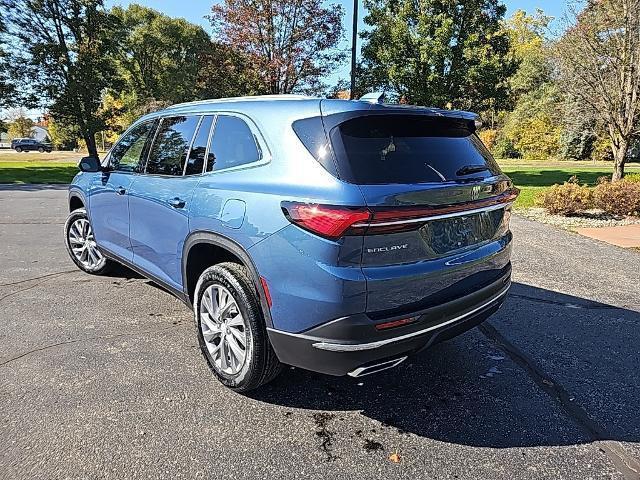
[(378, 367), (338, 347), (436, 217)]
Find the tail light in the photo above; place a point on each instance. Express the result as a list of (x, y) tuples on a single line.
[(334, 222), (326, 221)]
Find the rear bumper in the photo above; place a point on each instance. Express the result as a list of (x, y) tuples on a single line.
[(349, 344)]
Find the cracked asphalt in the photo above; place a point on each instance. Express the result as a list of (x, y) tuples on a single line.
[(100, 377)]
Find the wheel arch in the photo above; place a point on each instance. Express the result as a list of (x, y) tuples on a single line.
[(76, 200), (232, 250)]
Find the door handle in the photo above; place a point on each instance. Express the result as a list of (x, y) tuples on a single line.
[(177, 202), (120, 191)]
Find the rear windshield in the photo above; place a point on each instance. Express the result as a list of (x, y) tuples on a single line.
[(379, 149)]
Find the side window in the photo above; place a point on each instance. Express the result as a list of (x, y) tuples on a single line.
[(171, 145), (195, 162), (126, 155), (233, 144)]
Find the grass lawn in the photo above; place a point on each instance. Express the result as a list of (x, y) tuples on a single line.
[(531, 178), (37, 172), (34, 167)]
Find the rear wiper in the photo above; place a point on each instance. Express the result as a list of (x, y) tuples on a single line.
[(469, 169)]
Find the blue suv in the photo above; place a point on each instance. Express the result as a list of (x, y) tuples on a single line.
[(337, 236)]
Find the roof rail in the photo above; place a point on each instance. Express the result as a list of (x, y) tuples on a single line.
[(241, 99)]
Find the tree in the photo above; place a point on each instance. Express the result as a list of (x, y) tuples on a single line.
[(599, 68), (62, 51), (291, 44), (439, 52), (533, 128), (529, 48), (6, 88), (20, 127), (160, 57)]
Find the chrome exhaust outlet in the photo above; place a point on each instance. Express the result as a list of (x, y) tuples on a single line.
[(378, 367)]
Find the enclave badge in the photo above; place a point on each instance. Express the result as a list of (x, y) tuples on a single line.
[(390, 248)]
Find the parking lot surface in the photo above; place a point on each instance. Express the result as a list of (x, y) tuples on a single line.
[(100, 377)]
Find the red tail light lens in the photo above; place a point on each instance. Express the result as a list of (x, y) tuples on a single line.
[(327, 221), (336, 221)]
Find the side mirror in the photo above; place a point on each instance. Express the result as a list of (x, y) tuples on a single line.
[(89, 164)]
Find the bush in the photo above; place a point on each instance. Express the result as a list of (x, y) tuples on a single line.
[(618, 198), (566, 199), (632, 177)]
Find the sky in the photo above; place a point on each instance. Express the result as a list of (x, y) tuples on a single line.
[(196, 10)]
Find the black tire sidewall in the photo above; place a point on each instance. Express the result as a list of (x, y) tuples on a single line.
[(73, 216), (250, 375)]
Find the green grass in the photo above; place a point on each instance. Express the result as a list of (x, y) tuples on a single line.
[(37, 172), (532, 179)]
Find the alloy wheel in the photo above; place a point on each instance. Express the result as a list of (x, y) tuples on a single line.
[(83, 244), (224, 329)]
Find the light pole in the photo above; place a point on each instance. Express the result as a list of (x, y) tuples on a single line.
[(354, 39)]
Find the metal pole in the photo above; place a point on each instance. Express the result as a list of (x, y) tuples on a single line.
[(354, 39)]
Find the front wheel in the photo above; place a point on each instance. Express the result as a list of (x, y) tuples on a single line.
[(231, 329), (40, 149), (18, 149), (81, 244)]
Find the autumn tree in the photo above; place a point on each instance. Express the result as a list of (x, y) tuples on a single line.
[(532, 128), (439, 52), (599, 68), (20, 126), (62, 51), (291, 44)]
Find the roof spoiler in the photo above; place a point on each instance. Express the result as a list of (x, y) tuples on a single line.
[(373, 97)]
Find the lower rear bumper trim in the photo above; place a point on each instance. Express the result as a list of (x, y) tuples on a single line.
[(356, 347)]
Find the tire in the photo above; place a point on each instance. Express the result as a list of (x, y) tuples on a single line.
[(74, 239), (18, 149), (40, 149), (260, 364)]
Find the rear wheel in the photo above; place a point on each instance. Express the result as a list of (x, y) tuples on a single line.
[(41, 149), (18, 149), (231, 329), (82, 246)]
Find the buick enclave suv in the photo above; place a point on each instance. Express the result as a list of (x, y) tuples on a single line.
[(337, 236)]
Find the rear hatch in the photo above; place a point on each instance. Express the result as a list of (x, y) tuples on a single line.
[(438, 205)]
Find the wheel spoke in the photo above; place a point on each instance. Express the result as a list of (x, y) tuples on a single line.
[(236, 321), (239, 336), (235, 349)]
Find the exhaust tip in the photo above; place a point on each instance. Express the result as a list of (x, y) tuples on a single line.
[(376, 367)]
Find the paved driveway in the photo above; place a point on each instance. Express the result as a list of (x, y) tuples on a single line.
[(100, 377)]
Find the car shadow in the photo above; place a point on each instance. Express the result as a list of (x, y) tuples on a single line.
[(471, 390)]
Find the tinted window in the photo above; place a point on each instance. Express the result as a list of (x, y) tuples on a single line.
[(380, 149), (127, 154), (171, 145), (233, 144), (195, 162)]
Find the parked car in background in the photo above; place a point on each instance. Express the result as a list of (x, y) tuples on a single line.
[(337, 236), (29, 145)]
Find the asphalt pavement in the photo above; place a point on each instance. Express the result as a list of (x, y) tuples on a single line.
[(100, 377)]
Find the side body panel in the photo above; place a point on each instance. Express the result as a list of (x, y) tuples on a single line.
[(159, 212), (109, 211)]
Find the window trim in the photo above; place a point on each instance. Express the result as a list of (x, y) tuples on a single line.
[(106, 161), (261, 144), (160, 118)]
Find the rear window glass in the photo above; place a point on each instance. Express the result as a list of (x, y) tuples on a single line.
[(379, 149)]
